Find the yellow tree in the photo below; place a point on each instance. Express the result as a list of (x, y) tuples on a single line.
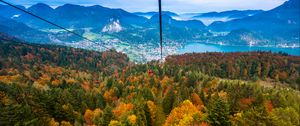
[(92, 117), (114, 123), (184, 115), (152, 109), (132, 119), (122, 109)]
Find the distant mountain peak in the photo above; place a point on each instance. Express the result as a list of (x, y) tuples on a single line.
[(69, 6), (40, 9), (40, 6), (97, 7)]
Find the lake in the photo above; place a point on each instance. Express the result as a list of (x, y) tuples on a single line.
[(202, 47)]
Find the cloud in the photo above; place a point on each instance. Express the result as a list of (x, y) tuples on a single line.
[(172, 5)]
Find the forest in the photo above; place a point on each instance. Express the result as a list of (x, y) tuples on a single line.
[(62, 86)]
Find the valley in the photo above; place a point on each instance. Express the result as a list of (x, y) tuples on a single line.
[(83, 64), (147, 50), (136, 34)]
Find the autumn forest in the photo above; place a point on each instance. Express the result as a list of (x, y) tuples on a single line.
[(63, 86)]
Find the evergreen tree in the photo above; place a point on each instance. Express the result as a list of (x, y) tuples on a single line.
[(218, 112), (147, 94), (168, 102), (100, 102), (107, 115), (148, 115)]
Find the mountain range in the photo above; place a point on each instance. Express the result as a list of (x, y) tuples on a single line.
[(229, 14), (75, 16), (152, 13), (279, 26), (100, 20)]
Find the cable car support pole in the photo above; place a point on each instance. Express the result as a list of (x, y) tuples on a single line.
[(160, 30)]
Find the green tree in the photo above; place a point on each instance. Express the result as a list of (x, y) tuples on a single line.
[(107, 115), (168, 102), (218, 112), (285, 117), (257, 116)]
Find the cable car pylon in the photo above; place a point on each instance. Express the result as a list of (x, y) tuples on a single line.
[(160, 30)]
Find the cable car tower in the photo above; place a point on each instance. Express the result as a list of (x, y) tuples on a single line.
[(160, 30)]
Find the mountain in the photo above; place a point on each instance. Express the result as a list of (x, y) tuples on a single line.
[(278, 24), (76, 16), (152, 13), (95, 16), (22, 31), (105, 24), (173, 30), (41, 10), (243, 37), (229, 14), (177, 30), (210, 17), (10, 12), (114, 26), (247, 13), (169, 21), (32, 35), (148, 32)]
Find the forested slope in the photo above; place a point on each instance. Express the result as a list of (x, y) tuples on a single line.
[(54, 85), (247, 66)]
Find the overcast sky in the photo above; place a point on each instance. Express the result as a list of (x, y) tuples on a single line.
[(179, 6)]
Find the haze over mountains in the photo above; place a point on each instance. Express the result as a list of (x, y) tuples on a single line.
[(150, 14), (230, 14), (121, 29)]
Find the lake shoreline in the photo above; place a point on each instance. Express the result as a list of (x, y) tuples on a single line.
[(197, 47)]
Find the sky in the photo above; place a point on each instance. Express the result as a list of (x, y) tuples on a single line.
[(179, 6)]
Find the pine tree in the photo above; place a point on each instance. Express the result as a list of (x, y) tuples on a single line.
[(100, 102), (107, 115), (168, 102), (148, 115), (218, 112)]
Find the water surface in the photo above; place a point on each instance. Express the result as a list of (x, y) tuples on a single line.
[(202, 47)]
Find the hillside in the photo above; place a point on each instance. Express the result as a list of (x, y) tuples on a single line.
[(22, 31), (285, 15), (55, 85), (245, 66), (25, 56), (277, 26)]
